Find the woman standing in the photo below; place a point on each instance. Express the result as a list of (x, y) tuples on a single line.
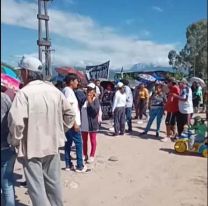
[(157, 102), (143, 98), (89, 121)]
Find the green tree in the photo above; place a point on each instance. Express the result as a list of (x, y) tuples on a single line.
[(194, 53)]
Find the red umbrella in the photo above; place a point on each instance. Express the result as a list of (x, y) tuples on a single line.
[(70, 70)]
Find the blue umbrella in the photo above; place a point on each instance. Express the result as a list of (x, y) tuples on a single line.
[(147, 77), (10, 72)]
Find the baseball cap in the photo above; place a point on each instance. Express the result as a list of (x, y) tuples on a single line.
[(91, 85), (30, 63), (120, 84)]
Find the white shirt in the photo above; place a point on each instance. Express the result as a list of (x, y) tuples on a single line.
[(97, 90), (129, 96), (71, 98), (119, 100), (186, 107)]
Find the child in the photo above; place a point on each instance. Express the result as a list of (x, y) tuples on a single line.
[(200, 129)]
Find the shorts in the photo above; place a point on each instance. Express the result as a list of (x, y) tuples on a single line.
[(171, 118)]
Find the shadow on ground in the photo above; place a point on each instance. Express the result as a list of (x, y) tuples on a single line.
[(18, 203), (172, 151), (138, 135)]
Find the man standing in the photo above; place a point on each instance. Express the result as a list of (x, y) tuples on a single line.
[(129, 104), (99, 89), (171, 107), (118, 109), (73, 135), (38, 119), (185, 105)]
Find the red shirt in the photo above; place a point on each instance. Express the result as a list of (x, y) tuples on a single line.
[(172, 102)]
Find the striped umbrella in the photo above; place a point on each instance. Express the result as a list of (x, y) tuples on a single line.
[(10, 82), (9, 71)]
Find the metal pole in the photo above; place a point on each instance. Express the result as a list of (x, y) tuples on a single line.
[(39, 31), (47, 50)]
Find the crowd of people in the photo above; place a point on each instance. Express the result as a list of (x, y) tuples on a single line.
[(43, 118)]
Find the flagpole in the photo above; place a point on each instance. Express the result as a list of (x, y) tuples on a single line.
[(122, 73)]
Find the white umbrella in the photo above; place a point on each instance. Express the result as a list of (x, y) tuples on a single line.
[(147, 77), (198, 80)]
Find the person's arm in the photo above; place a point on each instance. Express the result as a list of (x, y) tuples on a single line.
[(183, 97), (17, 118), (147, 96), (93, 108), (115, 100), (68, 114)]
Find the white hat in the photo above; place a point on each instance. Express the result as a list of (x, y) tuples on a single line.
[(120, 84), (31, 63), (91, 85)]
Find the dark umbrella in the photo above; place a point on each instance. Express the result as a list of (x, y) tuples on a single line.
[(70, 70), (104, 84)]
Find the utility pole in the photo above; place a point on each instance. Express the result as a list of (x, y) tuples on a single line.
[(43, 42)]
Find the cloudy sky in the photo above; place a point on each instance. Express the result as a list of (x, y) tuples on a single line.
[(87, 32)]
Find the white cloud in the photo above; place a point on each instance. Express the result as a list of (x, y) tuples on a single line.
[(98, 44), (157, 8)]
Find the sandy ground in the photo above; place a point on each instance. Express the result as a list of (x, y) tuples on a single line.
[(148, 172)]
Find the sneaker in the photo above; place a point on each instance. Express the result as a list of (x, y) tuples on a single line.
[(143, 133), (79, 170), (166, 139), (121, 134), (111, 129), (73, 157), (140, 122), (157, 134), (70, 168), (129, 131), (23, 184), (85, 158), (91, 160)]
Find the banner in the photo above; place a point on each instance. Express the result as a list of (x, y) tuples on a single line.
[(98, 71)]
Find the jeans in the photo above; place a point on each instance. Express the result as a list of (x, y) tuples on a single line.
[(8, 158), (71, 136), (43, 180), (92, 141), (128, 112), (155, 112)]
